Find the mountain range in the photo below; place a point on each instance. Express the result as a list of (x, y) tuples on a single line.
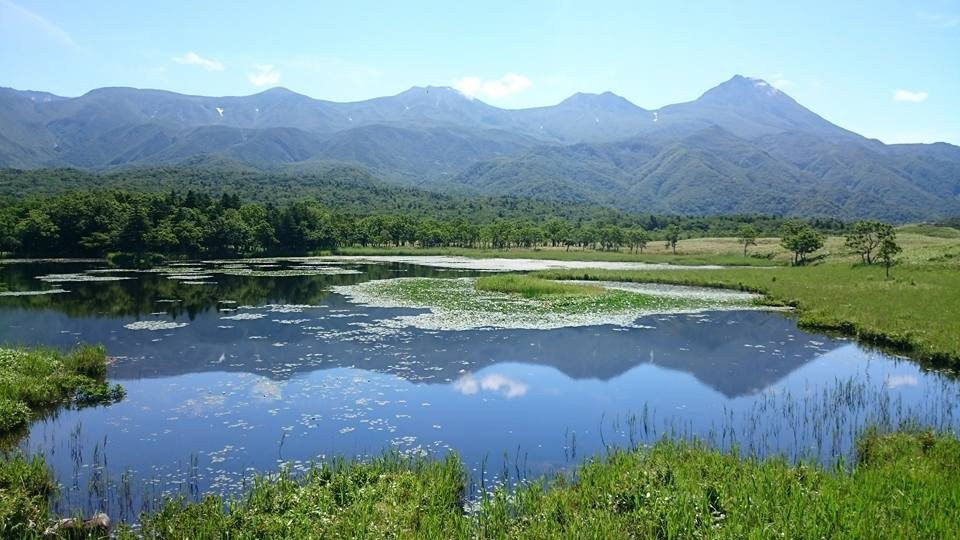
[(741, 147)]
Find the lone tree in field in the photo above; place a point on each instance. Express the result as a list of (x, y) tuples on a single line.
[(865, 237), (673, 236), (748, 236), (887, 251), (801, 240)]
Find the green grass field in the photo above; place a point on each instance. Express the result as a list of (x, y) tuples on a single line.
[(921, 244)]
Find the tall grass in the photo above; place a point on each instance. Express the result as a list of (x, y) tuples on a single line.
[(904, 485), (391, 496), (25, 488), (532, 287), (32, 380)]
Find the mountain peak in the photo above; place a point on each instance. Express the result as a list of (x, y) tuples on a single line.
[(280, 91), (414, 91), (604, 101), (739, 89)]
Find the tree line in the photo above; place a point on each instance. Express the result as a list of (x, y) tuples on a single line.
[(195, 224)]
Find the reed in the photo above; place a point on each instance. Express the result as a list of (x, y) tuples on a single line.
[(904, 485)]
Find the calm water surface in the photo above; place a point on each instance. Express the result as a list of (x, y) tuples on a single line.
[(272, 369)]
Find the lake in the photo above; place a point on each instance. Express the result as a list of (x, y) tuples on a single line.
[(234, 368)]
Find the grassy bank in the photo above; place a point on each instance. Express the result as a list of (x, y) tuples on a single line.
[(33, 382), (904, 485), (916, 312)]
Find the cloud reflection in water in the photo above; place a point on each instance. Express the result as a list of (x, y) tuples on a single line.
[(469, 385)]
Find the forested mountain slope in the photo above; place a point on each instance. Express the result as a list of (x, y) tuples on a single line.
[(743, 146)]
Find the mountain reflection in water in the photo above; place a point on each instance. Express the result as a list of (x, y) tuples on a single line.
[(251, 372)]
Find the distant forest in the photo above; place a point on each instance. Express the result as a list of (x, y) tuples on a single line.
[(193, 213)]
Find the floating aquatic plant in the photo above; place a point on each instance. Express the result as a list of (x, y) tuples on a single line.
[(154, 325), (244, 317), (289, 272), (33, 293), (61, 278), (457, 304)]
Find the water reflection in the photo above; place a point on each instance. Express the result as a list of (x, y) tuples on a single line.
[(735, 353), (469, 385), (262, 371)]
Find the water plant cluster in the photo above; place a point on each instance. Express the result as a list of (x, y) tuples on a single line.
[(516, 301)]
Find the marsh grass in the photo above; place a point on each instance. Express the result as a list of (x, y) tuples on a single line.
[(385, 497), (904, 485), (25, 488), (916, 312), (34, 380), (532, 287)]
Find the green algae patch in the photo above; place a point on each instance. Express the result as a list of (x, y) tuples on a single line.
[(522, 302)]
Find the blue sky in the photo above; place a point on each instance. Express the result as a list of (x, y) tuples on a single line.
[(889, 70)]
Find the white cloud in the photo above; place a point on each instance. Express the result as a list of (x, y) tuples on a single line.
[(194, 59), (263, 75), (511, 83), (22, 18), (909, 95)]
